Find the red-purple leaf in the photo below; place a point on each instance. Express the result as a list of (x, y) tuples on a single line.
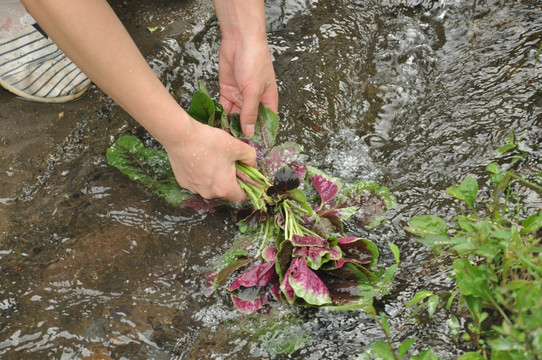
[(249, 306), (325, 187), (209, 286), (286, 154), (284, 257), (287, 290), (316, 256), (348, 240), (285, 179), (270, 253), (259, 275), (343, 261), (308, 240), (306, 284), (275, 289), (200, 205), (260, 150), (371, 200), (343, 213), (358, 249), (349, 269)]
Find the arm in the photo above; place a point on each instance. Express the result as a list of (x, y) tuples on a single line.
[(93, 37), (246, 74)]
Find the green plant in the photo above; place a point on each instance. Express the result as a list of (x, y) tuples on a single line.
[(383, 349), (495, 245)]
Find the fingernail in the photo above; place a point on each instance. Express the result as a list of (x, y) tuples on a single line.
[(249, 130)]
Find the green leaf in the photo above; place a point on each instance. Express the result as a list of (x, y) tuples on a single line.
[(493, 168), (436, 241), (505, 344), (384, 324), (509, 144), (359, 195), (267, 126), (502, 182), (451, 299), (472, 280), (235, 126), (432, 304), (367, 354), (403, 348), (496, 178), (465, 222), (471, 356), (466, 191), (154, 28), (505, 148), (533, 223), (383, 350), (203, 88), (454, 326), (426, 355), (149, 166), (419, 297), (383, 284), (172, 193), (395, 251), (426, 225), (235, 265), (202, 107), (474, 304), (373, 249), (299, 196), (516, 284)]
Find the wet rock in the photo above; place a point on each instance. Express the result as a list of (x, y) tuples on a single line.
[(97, 330)]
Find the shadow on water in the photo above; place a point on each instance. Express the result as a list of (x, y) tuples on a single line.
[(414, 95)]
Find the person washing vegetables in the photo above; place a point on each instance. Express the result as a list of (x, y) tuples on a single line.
[(93, 43)]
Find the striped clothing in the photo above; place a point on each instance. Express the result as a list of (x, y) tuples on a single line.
[(33, 67)]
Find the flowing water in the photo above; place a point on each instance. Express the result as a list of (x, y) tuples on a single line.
[(414, 95)]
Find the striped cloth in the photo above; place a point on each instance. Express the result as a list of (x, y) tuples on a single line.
[(33, 67)]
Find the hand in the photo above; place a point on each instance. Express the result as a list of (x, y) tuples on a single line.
[(245, 69), (246, 79), (205, 162)]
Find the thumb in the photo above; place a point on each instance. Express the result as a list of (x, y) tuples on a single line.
[(246, 154), (249, 113)]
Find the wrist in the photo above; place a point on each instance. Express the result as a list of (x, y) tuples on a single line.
[(241, 20), (171, 125), (177, 132)]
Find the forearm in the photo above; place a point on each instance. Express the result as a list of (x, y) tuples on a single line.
[(243, 20), (93, 37)]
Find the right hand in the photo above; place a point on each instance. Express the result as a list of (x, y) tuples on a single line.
[(204, 162)]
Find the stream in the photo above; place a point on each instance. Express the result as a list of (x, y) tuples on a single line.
[(412, 94)]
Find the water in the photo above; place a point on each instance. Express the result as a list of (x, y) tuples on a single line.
[(414, 95)]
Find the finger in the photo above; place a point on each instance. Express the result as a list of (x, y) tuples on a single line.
[(235, 109), (226, 104), (270, 98), (244, 153), (234, 191), (249, 113), (237, 195)]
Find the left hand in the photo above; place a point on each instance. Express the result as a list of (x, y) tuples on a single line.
[(246, 79), (245, 69)]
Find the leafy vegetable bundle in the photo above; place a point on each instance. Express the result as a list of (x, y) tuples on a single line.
[(292, 245)]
